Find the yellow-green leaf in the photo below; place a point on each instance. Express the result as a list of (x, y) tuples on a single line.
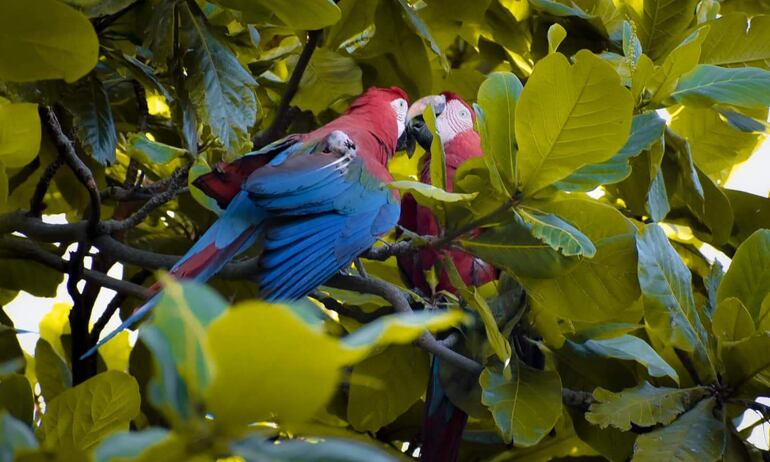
[(731, 321), (556, 34), (19, 133), (288, 368), (401, 328), (80, 417), (557, 233), (660, 22), (45, 39), (525, 405), (384, 386), (496, 339), (299, 14), (569, 116), (428, 195), (734, 41), (748, 278)]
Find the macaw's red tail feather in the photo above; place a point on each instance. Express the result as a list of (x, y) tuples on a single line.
[(442, 425)]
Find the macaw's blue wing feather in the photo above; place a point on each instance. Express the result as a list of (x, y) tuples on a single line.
[(328, 212), (235, 231)]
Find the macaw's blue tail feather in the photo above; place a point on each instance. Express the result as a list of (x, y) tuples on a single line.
[(443, 423), (234, 232)]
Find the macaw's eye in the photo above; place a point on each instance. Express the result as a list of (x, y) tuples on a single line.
[(465, 114)]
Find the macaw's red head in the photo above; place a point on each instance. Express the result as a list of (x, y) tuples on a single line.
[(386, 108)]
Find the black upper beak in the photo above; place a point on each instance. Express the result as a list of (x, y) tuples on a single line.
[(419, 133)]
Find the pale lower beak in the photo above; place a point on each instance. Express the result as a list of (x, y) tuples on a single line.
[(437, 101)]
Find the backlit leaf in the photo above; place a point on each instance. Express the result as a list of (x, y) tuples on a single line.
[(300, 14), (525, 405), (569, 116), (731, 321), (659, 23), (19, 133), (45, 39), (82, 416), (733, 41), (748, 278)]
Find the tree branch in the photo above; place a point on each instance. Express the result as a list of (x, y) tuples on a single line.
[(283, 115), (24, 248), (36, 205), (66, 149)]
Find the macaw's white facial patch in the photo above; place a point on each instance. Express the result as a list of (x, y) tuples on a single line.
[(455, 119), (400, 108)]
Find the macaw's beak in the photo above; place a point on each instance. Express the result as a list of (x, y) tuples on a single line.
[(416, 130)]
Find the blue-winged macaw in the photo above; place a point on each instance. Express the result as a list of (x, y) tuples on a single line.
[(315, 201), (443, 422)]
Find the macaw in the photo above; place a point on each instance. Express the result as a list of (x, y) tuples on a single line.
[(443, 422), (315, 201)]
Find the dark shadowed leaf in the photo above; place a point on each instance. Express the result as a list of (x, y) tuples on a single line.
[(220, 88), (384, 386), (52, 372), (696, 436), (16, 397), (16, 436), (329, 77), (257, 449), (630, 348), (93, 118)]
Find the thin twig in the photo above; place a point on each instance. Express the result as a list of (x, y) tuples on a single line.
[(66, 149), (175, 188), (283, 116), (36, 205)]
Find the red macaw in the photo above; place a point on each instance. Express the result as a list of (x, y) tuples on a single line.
[(443, 422), (315, 201)]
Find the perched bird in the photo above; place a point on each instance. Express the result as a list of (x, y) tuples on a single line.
[(443, 422), (315, 201)]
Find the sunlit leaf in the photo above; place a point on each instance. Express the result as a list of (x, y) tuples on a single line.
[(586, 121), (748, 278), (82, 416), (733, 41), (20, 133), (45, 39), (707, 85)]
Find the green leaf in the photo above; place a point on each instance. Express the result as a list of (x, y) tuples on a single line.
[(384, 386), (646, 129), (557, 233), (643, 405), (681, 60), (667, 288), (16, 436), (556, 34), (150, 152), (438, 173), (45, 39), (511, 246), (750, 212), (184, 312), (716, 146), (602, 14), (92, 115), (707, 85), (731, 321), (11, 354), (220, 88), (743, 361), (734, 41), (16, 397), (300, 14), (79, 418), (309, 375), (630, 348), (600, 289), (20, 134), (421, 29), (429, 195), (497, 99), (400, 328), (129, 445), (497, 341), (329, 77), (30, 276), (525, 405), (257, 448), (52, 372), (696, 436), (748, 278), (660, 22), (586, 122)]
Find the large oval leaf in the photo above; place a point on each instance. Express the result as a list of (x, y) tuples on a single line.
[(45, 39), (20, 133), (297, 14), (525, 405), (80, 417), (734, 41), (748, 278), (707, 85), (569, 116)]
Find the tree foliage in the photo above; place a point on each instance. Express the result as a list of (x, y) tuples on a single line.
[(626, 344)]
